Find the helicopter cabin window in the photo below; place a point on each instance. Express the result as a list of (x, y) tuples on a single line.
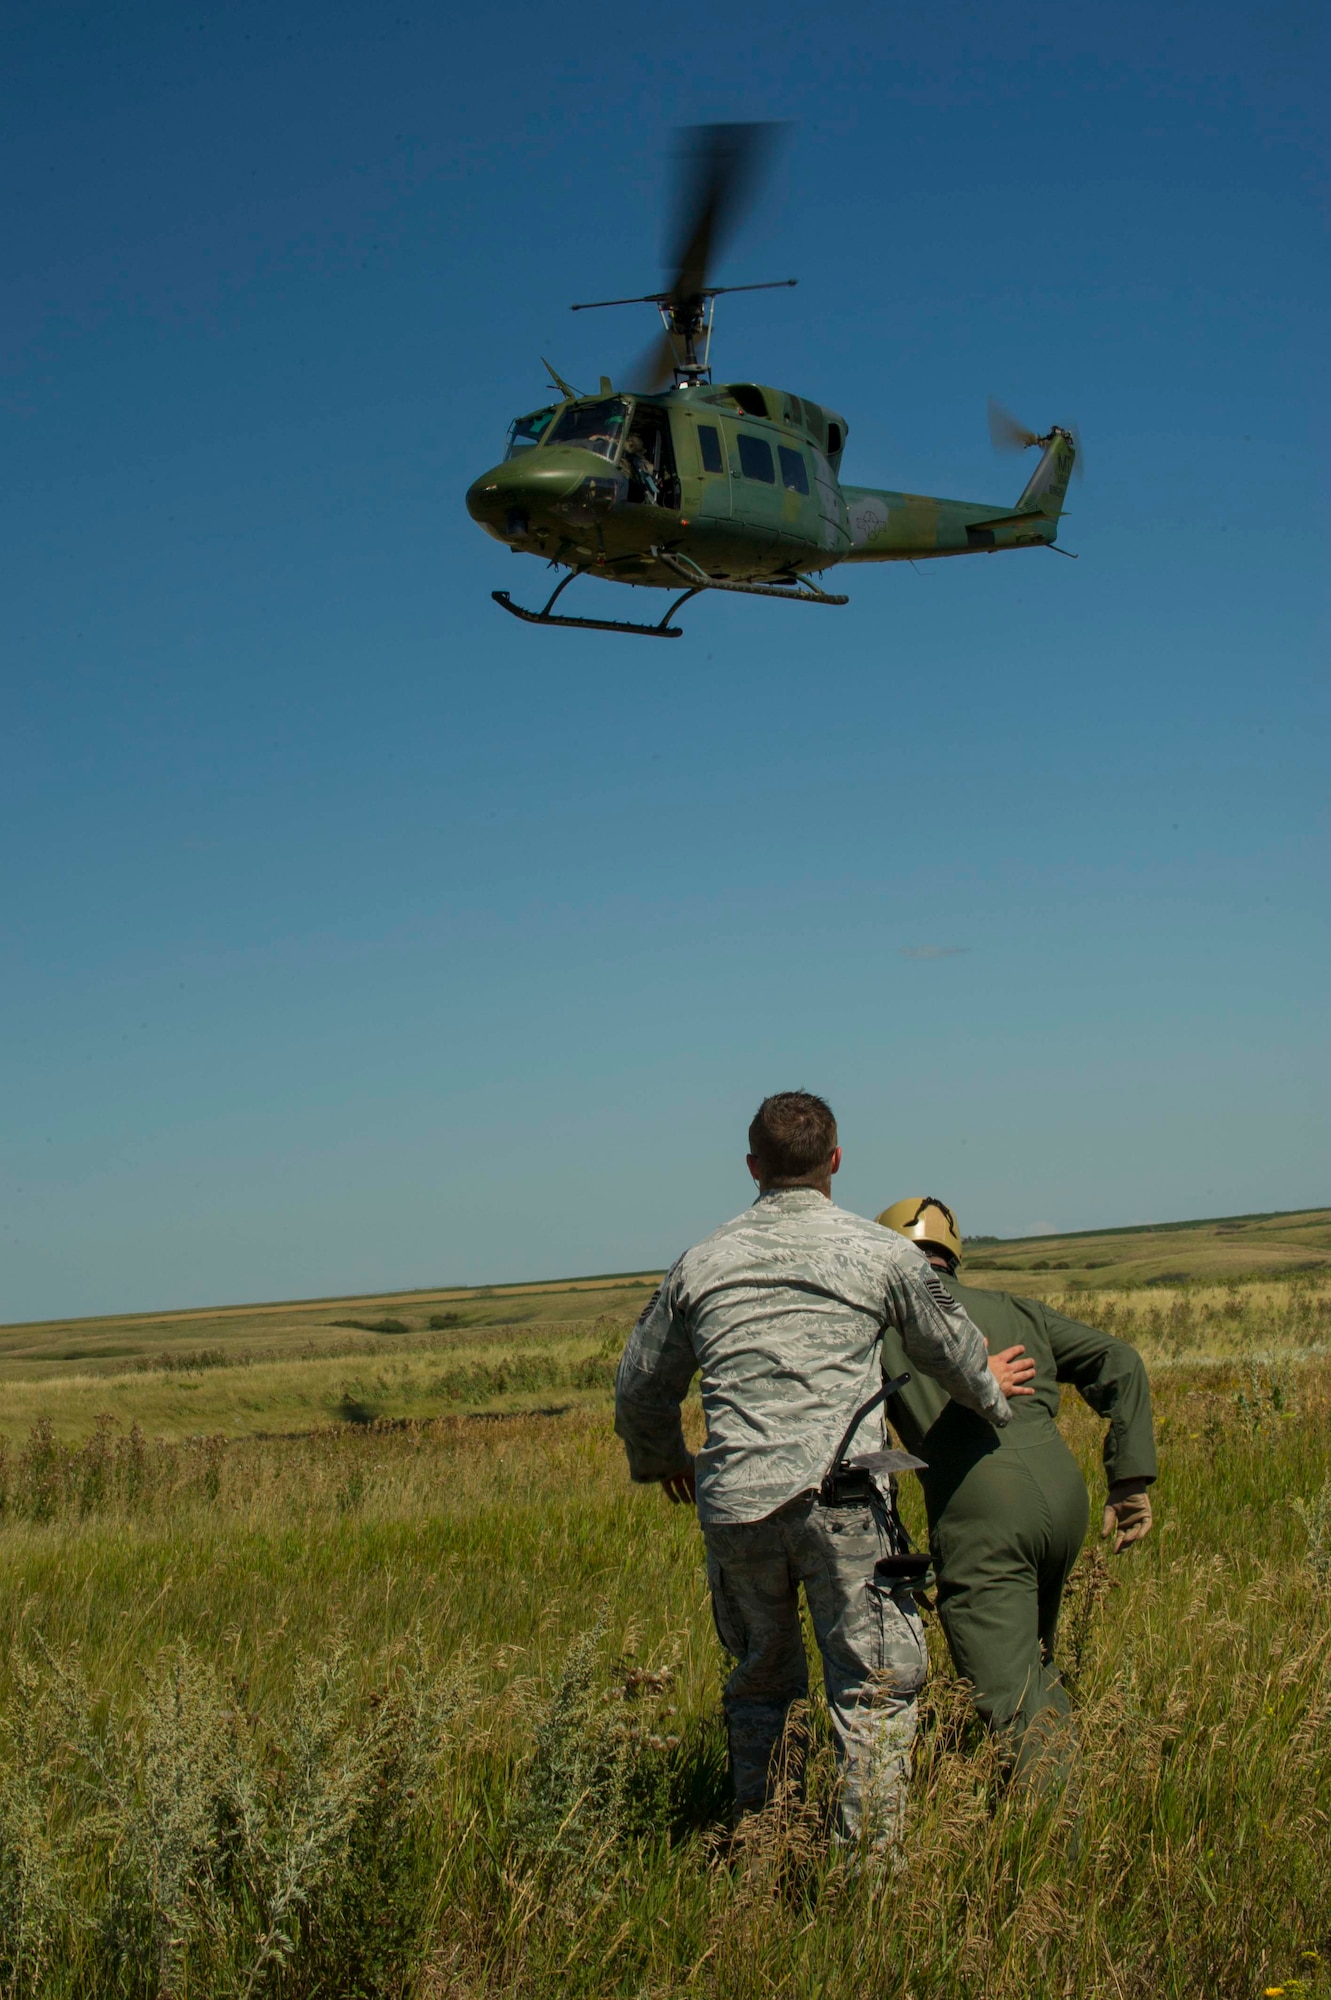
[(794, 472), (526, 432), (750, 400), (709, 444), (593, 426), (755, 458)]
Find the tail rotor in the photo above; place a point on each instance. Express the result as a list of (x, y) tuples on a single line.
[(1008, 433)]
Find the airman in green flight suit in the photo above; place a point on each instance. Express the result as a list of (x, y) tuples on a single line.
[(1008, 1509)]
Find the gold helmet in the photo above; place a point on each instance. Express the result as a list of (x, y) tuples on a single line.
[(925, 1219)]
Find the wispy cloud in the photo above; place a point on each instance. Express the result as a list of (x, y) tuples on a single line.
[(933, 950)]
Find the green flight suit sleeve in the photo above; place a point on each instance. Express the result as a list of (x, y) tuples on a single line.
[(651, 1382), (1110, 1376)]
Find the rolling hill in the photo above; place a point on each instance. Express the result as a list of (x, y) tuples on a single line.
[(1209, 1251)]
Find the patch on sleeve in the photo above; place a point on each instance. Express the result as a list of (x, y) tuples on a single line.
[(940, 1294)]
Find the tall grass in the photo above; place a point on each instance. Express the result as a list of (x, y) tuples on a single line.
[(184, 1392), (178, 1392), (431, 1709), (1291, 1315)]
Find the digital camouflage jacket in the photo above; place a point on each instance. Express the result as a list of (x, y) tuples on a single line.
[(783, 1310)]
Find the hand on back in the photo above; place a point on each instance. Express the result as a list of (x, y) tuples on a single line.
[(1012, 1370)]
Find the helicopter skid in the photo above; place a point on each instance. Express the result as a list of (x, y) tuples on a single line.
[(665, 630), (688, 572)]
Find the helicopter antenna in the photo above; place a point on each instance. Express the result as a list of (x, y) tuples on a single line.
[(557, 381), (721, 169)]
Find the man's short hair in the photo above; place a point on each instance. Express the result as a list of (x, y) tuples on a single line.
[(792, 1137)]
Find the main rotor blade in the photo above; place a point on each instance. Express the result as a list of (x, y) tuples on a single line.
[(715, 187), (1005, 432)]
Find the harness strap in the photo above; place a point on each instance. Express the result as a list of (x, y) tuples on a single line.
[(881, 1396)]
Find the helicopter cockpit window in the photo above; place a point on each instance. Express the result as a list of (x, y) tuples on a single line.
[(794, 472), (526, 432), (594, 426), (755, 458)]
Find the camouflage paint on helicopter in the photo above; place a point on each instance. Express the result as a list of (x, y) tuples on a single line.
[(723, 487), (728, 487)]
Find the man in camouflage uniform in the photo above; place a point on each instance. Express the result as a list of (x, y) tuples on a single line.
[(784, 1311), (1008, 1513)]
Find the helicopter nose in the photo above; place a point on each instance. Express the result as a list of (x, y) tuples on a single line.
[(505, 500)]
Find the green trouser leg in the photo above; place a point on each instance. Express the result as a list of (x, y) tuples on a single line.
[(1005, 1541)]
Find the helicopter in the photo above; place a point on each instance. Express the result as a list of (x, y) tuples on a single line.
[(688, 485)]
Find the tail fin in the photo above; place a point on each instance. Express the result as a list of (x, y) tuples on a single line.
[(1047, 487)]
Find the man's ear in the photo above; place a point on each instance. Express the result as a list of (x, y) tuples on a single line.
[(835, 1162), (751, 1162)]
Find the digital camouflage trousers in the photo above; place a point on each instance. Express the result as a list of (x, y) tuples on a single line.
[(869, 1635)]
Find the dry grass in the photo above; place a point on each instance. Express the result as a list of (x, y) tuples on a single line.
[(178, 1392), (182, 1393)]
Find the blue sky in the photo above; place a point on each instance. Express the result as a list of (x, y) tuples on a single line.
[(356, 936)]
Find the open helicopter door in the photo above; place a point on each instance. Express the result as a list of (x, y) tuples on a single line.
[(649, 458)]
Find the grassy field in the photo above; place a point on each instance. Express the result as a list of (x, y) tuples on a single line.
[(1232, 1246), (253, 1370), (425, 1700)]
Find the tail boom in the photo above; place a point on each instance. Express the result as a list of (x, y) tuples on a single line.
[(909, 527)]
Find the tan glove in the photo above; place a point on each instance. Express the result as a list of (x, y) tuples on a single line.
[(1127, 1513)]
